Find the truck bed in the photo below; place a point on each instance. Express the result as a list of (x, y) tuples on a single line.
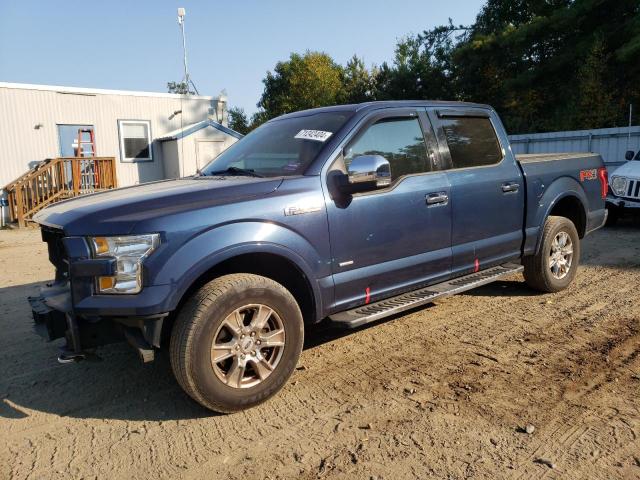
[(551, 175), (547, 157)]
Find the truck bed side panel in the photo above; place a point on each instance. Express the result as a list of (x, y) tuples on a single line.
[(552, 177)]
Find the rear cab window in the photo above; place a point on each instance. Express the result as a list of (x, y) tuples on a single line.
[(472, 140)]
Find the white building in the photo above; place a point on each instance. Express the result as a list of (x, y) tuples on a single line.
[(152, 136)]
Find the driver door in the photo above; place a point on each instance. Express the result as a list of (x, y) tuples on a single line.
[(389, 240)]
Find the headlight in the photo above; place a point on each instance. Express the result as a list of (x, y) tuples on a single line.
[(129, 253), (619, 185)]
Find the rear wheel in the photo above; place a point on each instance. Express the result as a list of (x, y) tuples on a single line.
[(236, 342), (555, 265)]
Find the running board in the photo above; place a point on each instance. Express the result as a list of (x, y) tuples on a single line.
[(374, 311)]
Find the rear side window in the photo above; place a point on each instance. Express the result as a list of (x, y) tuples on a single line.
[(472, 141), (399, 140)]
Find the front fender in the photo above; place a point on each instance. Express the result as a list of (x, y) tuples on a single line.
[(546, 199), (206, 250)]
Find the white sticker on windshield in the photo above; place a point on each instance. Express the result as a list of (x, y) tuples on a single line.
[(317, 135)]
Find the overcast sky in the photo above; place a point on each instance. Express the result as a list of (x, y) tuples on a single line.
[(136, 45)]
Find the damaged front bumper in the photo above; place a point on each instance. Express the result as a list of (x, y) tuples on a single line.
[(54, 318), (69, 308)]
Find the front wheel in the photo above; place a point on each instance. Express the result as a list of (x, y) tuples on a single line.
[(236, 342), (555, 265)]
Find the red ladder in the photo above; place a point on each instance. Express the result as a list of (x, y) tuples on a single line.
[(88, 177), (81, 151)]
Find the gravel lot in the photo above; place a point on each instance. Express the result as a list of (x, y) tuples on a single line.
[(442, 392)]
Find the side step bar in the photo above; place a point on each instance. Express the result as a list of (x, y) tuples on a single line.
[(384, 308)]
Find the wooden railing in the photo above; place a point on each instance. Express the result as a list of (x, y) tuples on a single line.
[(57, 179)]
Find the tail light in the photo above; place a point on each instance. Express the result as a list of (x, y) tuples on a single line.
[(604, 181)]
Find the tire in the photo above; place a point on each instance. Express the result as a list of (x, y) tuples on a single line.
[(215, 313), (613, 215), (538, 272)]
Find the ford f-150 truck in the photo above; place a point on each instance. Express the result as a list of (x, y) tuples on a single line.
[(346, 214)]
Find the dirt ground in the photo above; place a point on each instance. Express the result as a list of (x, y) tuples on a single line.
[(441, 392)]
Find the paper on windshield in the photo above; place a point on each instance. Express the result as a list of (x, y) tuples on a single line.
[(317, 135)]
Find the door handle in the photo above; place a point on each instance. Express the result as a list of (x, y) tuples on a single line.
[(437, 198), (510, 187)]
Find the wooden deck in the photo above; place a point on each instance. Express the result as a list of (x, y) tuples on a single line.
[(57, 179)]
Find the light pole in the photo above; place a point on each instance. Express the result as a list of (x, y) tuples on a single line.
[(187, 79)]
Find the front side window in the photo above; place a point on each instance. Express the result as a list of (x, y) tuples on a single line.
[(280, 148), (472, 141), (399, 140), (135, 140)]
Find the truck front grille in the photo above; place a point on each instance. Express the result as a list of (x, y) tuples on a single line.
[(57, 252), (633, 189)]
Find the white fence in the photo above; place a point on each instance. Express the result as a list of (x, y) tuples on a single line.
[(611, 143)]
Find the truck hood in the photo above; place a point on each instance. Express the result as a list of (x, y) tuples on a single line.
[(116, 212), (630, 169)]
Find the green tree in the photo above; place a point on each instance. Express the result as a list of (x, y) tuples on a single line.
[(304, 81), (239, 121), (543, 64), (594, 103), (529, 59), (258, 118), (359, 84), (421, 68)]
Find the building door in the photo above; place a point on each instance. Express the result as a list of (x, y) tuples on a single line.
[(206, 150), (68, 136)]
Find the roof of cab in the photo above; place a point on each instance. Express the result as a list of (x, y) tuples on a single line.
[(357, 107)]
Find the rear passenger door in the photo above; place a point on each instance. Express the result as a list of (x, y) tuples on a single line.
[(487, 191)]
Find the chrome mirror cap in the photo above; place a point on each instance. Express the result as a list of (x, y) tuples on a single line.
[(368, 169)]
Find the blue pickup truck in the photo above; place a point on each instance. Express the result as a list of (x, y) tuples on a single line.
[(346, 214)]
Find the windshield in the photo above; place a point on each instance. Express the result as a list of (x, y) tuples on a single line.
[(280, 148)]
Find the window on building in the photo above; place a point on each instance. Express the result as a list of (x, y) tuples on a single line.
[(76, 140), (135, 140), (472, 141), (399, 140)]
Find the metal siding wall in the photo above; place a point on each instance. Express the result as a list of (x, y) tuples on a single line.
[(611, 143), (22, 145)]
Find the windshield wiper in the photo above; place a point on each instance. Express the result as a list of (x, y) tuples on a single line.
[(237, 171)]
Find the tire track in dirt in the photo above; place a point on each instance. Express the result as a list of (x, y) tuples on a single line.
[(358, 375), (366, 372)]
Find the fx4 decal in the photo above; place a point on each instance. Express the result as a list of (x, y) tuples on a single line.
[(589, 174)]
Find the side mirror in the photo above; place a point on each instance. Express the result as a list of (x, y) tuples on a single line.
[(629, 155), (369, 169)]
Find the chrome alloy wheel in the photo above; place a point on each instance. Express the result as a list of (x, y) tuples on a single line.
[(248, 346), (561, 255)]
